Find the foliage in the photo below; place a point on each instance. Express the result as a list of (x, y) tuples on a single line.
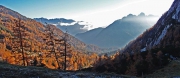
[(37, 53), (135, 64)]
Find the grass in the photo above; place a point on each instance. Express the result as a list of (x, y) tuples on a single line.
[(14, 71), (169, 71)]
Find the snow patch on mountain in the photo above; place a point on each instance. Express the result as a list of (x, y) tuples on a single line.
[(175, 3), (144, 49), (171, 9), (162, 35), (176, 14)]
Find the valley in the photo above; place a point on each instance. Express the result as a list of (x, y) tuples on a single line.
[(131, 46)]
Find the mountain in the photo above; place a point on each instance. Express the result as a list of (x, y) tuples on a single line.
[(120, 32), (89, 36), (164, 33), (153, 50), (37, 45), (54, 21), (73, 27)]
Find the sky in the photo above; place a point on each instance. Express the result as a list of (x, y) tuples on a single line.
[(98, 13)]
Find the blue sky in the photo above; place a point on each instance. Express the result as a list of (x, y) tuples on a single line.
[(97, 12), (51, 8)]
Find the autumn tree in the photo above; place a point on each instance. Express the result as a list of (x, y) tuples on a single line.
[(50, 42), (19, 40), (159, 56), (65, 49)]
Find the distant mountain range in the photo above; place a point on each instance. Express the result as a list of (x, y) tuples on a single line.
[(115, 35), (163, 36), (71, 26), (18, 31), (8, 18), (120, 32), (89, 36), (151, 51), (54, 21)]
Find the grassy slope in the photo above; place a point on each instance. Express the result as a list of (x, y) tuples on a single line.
[(171, 70), (14, 71)]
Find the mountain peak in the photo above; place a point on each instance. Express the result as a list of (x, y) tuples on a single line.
[(10, 12), (130, 15), (141, 14), (1, 6), (161, 34), (175, 10)]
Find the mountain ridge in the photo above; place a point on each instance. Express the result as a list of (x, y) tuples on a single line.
[(36, 49), (163, 24), (128, 27), (54, 21), (70, 25), (153, 50)]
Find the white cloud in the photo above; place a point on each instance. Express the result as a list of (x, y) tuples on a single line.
[(106, 16), (67, 24)]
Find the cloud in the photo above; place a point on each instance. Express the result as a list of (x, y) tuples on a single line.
[(106, 16), (67, 24)]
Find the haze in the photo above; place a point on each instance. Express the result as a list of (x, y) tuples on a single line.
[(98, 13)]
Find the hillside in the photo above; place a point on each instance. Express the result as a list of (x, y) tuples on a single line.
[(165, 33), (34, 36), (151, 51), (119, 33), (75, 27), (89, 36), (171, 70)]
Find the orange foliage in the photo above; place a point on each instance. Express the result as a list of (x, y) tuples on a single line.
[(36, 31)]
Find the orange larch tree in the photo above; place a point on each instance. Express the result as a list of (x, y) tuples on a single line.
[(19, 40)]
